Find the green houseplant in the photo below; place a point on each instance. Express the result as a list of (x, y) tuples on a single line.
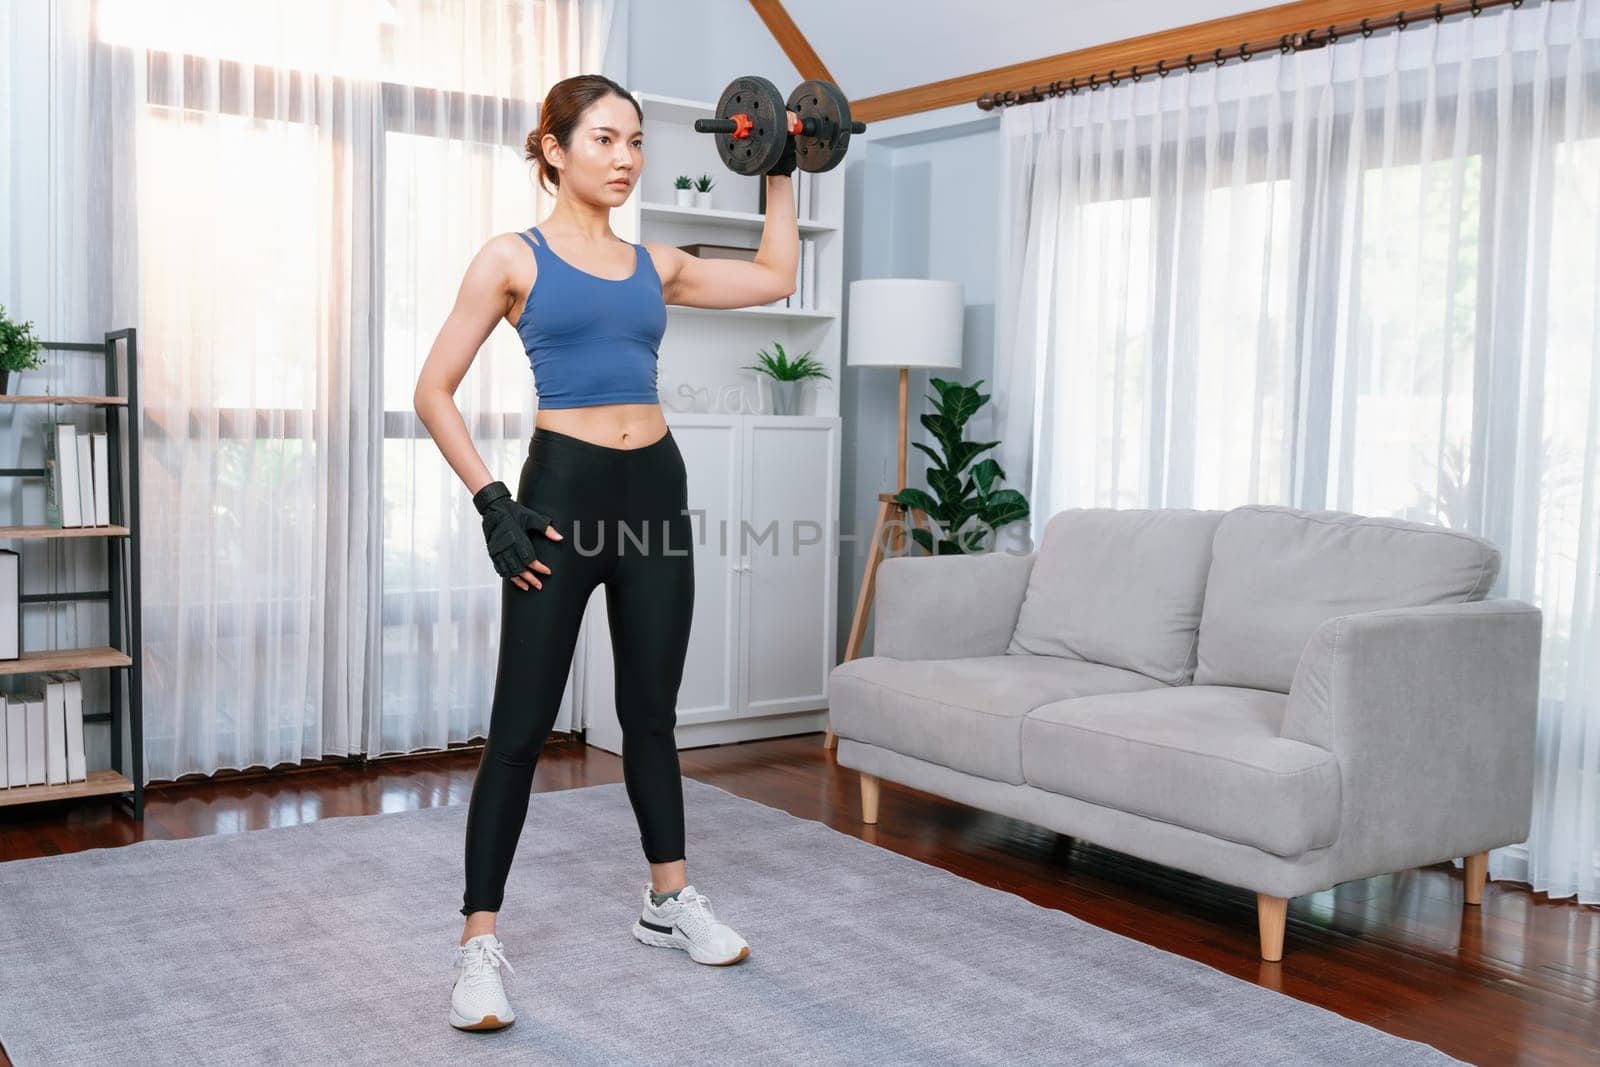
[(702, 191), (19, 349), (955, 500), (788, 377), (684, 186)]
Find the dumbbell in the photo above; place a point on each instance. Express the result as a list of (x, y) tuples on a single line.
[(754, 122)]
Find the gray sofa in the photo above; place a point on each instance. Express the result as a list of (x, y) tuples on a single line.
[(1278, 699)]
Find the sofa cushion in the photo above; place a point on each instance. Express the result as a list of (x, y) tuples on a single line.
[(1208, 758), (963, 713), (1123, 587), (1278, 573)]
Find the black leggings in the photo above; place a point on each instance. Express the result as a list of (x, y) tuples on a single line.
[(623, 514)]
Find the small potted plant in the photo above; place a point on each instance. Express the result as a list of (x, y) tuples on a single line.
[(702, 194), (788, 377), (684, 186), (19, 349)]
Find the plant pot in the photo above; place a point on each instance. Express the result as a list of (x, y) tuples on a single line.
[(702, 199), (5, 382), (786, 396), (685, 197)]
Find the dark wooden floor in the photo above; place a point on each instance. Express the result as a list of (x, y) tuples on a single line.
[(1515, 981)]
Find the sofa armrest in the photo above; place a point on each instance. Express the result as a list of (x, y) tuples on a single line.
[(1431, 712), (949, 607)]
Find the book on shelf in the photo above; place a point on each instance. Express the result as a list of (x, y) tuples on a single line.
[(55, 732), (707, 250), (60, 509), (10, 603), (808, 272), (15, 713), (85, 485), (102, 478), (802, 184), (41, 733), (805, 278), (76, 477), (805, 184), (70, 688), (33, 735)]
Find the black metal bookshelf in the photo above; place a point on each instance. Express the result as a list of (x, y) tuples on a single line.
[(122, 592)]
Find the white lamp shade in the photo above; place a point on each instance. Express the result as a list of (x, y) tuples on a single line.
[(905, 322)]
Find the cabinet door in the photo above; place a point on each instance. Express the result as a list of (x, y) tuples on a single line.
[(711, 452), (788, 550)]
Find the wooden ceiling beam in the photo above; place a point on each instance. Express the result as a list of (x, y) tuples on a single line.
[(792, 41), (1200, 38)]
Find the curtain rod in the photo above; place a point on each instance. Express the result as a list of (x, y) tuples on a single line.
[(1289, 42)]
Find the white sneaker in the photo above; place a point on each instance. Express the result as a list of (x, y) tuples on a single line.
[(478, 1001), (687, 922)]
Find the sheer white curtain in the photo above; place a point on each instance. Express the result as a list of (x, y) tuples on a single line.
[(282, 198), (1364, 277)]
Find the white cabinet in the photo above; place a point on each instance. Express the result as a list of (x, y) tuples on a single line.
[(764, 490), (711, 349)]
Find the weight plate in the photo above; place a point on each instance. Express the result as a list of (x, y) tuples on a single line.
[(757, 152), (829, 112)]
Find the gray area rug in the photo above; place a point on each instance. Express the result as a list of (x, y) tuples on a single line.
[(329, 943)]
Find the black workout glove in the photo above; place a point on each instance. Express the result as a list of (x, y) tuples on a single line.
[(786, 162), (506, 525)]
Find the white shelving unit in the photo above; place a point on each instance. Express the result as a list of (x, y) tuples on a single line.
[(705, 348), (763, 636)]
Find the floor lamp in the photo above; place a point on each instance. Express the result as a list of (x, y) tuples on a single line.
[(900, 323)]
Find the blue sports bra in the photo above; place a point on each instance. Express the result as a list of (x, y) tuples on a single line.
[(592, 340)]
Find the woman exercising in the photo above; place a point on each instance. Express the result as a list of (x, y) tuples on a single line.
[(602, 500)]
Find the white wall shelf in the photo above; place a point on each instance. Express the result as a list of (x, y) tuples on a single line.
[(708, 348), (743, 220), (760, 312)]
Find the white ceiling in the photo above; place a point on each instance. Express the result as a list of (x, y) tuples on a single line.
[(873, 48)]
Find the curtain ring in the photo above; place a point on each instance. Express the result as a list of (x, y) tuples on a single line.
[(1136, 74), (1161, 67), (1366, 31), (1092, 85), (1216, 57), (1476, 8), (1438, 12), (1283, 44), (1072, 86), (1244, 53), (1399, 20), (1332, 36), (1111, 77), (1190, 62)]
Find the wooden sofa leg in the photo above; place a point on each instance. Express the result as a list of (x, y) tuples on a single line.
[(1477, 872), (830, 739), (1272, 913), (869, 798)]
